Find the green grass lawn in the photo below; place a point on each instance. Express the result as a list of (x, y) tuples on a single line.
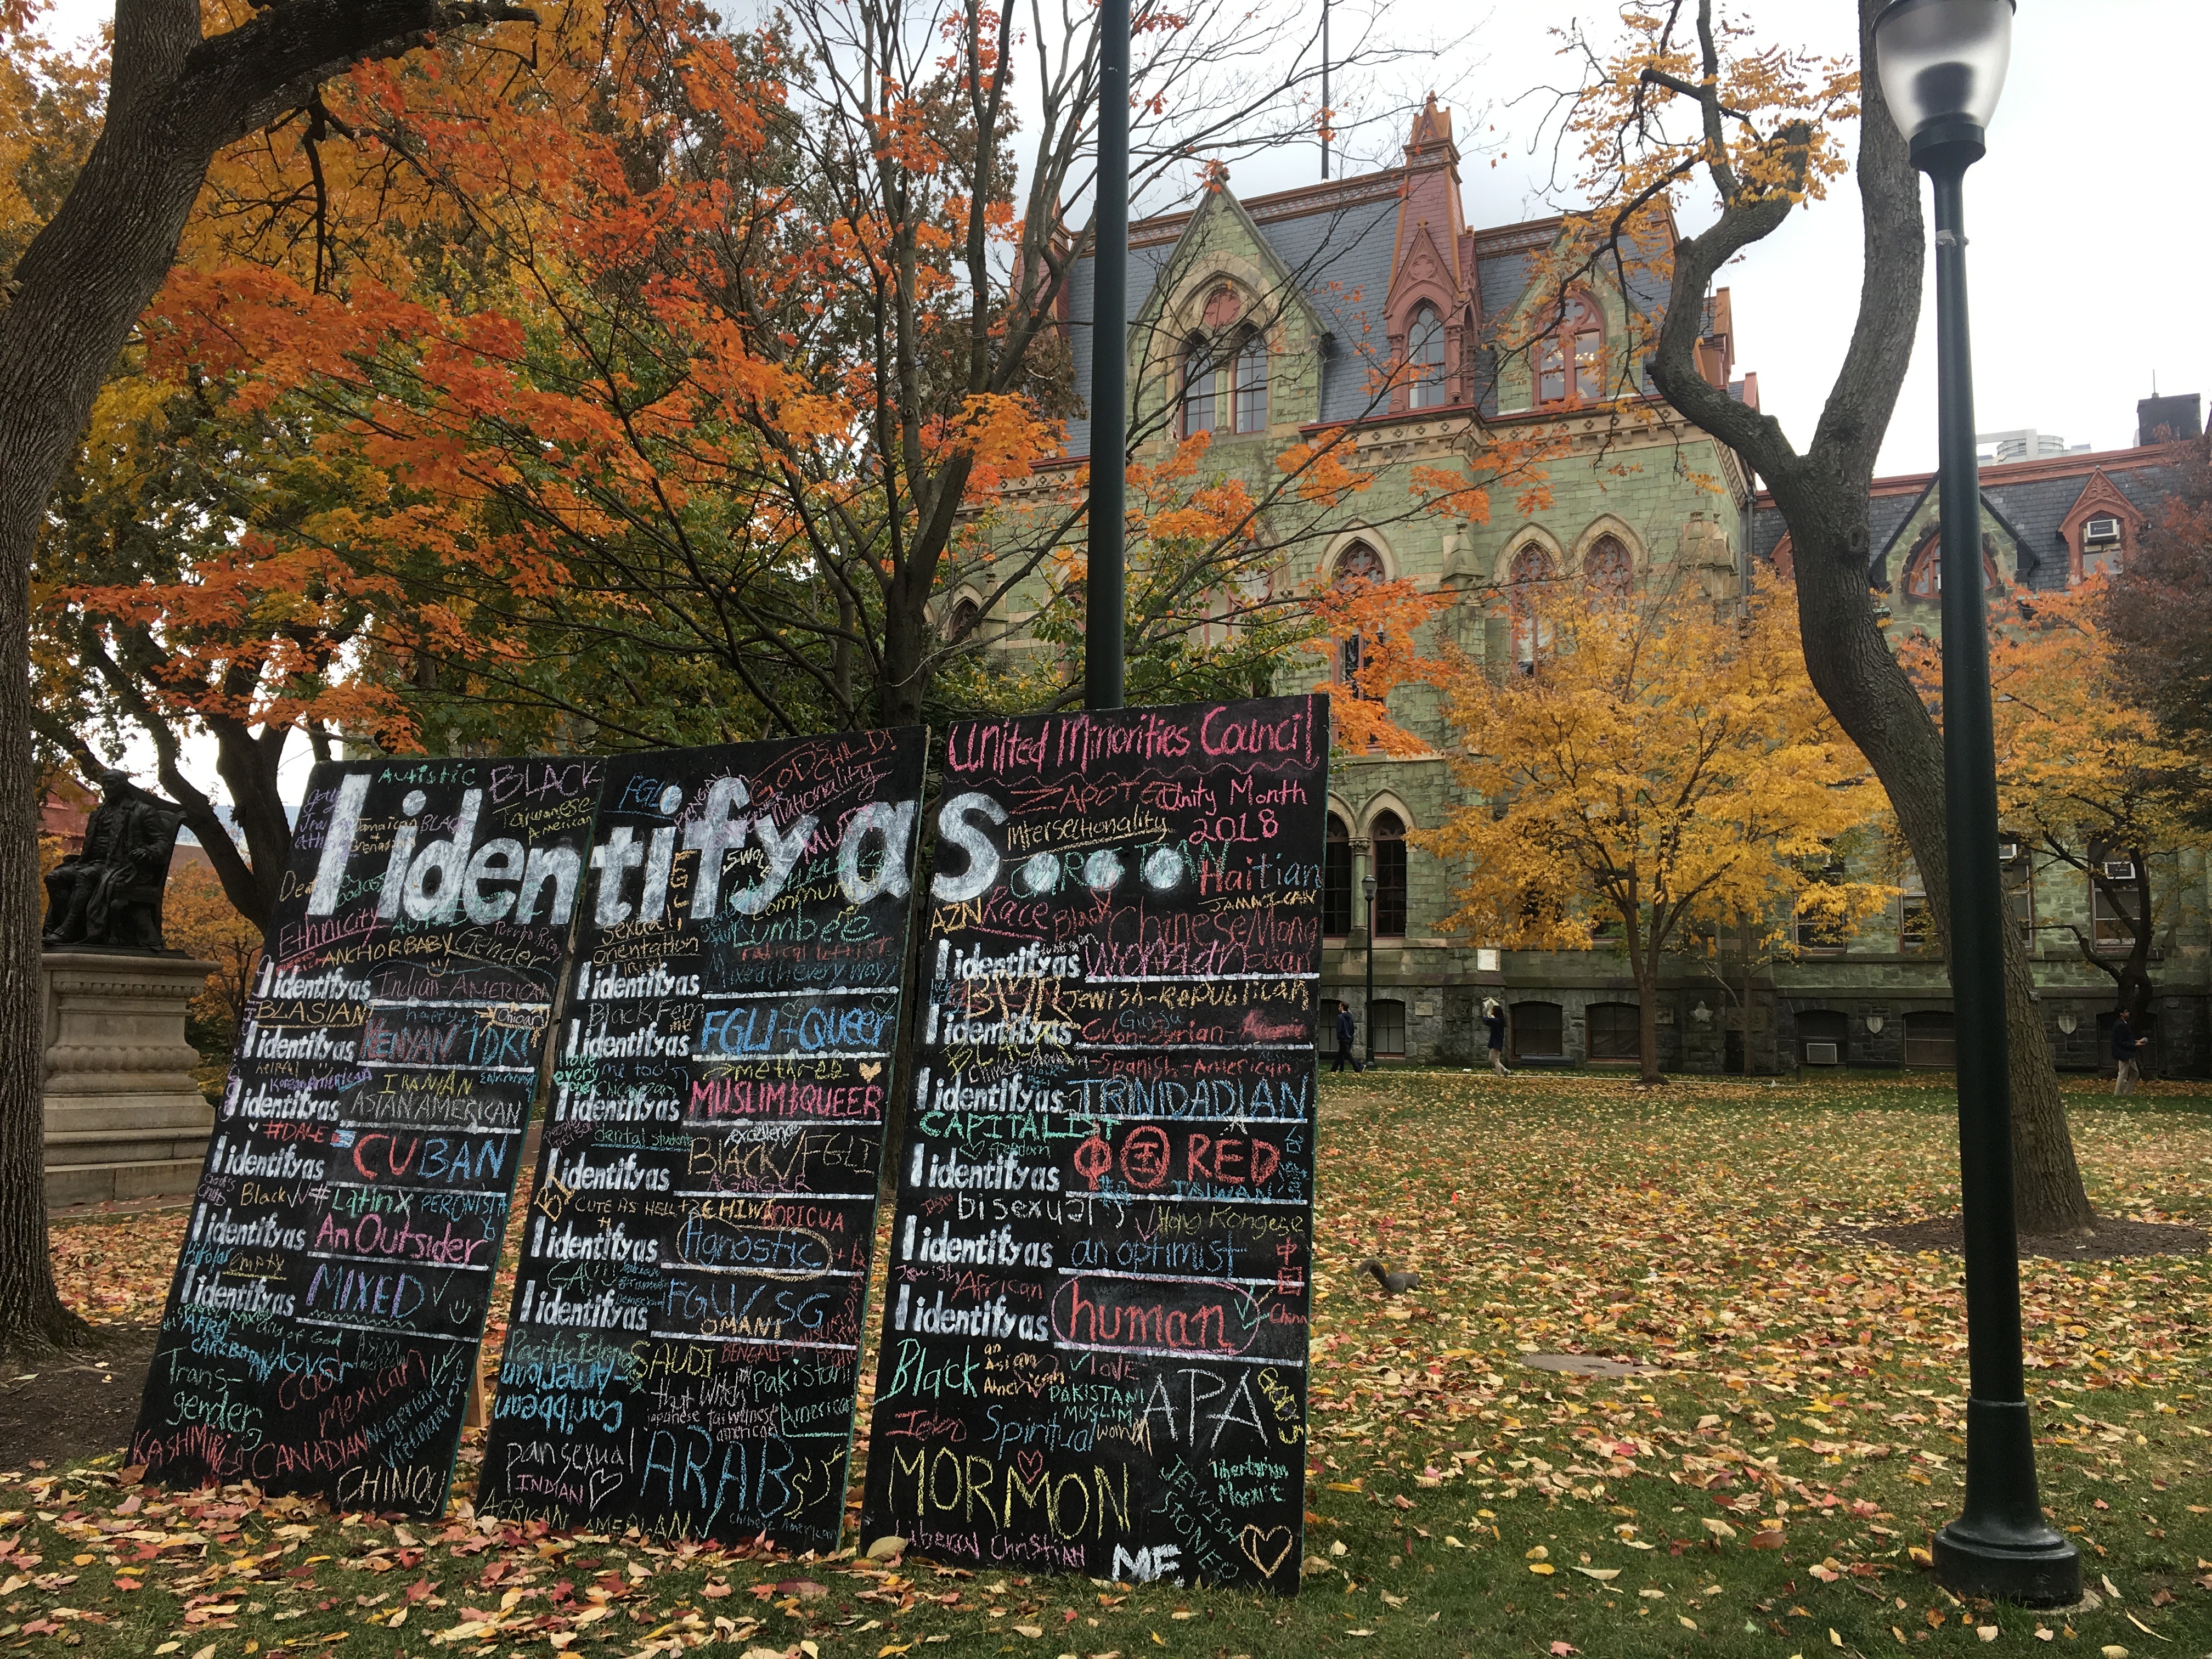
[(1768, 1490)]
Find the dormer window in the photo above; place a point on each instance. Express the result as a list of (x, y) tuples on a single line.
[(1924, 569), (2102, 539), (1571, 360), (1424, 360)]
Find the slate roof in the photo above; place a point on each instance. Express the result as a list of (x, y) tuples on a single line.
[(1339, 239), (2030, 498)]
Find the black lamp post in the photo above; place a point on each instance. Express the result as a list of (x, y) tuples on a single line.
[(1367, 890), (1104, 601), (1942, 64)]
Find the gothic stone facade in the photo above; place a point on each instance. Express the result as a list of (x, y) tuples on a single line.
[(1340, 284)]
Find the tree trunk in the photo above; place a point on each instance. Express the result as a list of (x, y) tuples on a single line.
[(2135, 989), (1748, 971), (250, 766), (1865, 686), (31, 1310), (1823, 497), (1647, 1012), (85, 279), (173, 100)]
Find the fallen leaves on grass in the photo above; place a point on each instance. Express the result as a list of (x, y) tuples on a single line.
[(117, 1272)]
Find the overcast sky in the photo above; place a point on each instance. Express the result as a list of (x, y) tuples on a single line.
[(2086, 223)]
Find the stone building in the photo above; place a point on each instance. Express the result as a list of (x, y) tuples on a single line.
[(1370, 303), (1882, 997)]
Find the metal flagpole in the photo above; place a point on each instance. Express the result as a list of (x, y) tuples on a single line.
[(1324, 117)]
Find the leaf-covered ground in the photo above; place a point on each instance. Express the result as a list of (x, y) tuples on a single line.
[(1767, 1490)]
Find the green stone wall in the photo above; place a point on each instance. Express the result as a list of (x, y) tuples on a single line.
[(1680, 504)]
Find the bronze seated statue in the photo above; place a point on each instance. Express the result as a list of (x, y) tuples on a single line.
[(108, 895)]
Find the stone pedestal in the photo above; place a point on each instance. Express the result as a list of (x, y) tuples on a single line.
[(123, 1118)]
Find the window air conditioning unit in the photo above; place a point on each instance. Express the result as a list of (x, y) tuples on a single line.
[(2119, 870), (2101, 529), (2007, 851), (1821, 1053)]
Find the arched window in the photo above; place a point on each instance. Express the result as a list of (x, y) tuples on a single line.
[(1336, 880), (1387, 835), (1532, 569), (1424, 360), (1202, 402), (1924, 569), (1608, 569), (1356, 563), (1252, 385), (1571, 360), (965, 616), (1224, 379)]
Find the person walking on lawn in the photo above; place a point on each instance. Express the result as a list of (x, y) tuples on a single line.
[(1347, 1030), (2125, 1044), (1493, 1020)]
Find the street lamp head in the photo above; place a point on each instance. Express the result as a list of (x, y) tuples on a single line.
[(1941, 63), (1367, 888)]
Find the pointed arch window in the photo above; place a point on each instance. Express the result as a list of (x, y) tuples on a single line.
[(1609, 570), (1388, 835), (1251, 376), (1531, 571), (1202, 390), (1924, 570), (1336, 880), (1358, 563), (1424, 360), (966, 616), (1571, 360)]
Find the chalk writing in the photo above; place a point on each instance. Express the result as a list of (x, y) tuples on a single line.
[(1094, 1339), (330, 1294), (685, 1352)]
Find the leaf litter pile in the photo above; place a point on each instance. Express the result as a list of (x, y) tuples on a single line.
[(1762, 1479)]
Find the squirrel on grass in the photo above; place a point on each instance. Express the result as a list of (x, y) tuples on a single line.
[(1392, 1284)]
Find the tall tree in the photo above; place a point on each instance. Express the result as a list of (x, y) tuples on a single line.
[(194, 577), (1691, 96), (175, 96), (790, 352), (1663, 768)]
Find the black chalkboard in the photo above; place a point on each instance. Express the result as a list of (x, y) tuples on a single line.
[(684, 1349), (321, 1335), (1094, 1336)]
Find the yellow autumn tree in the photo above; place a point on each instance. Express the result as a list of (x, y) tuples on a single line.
[(1659, 763), (2083, 773), (198, 919)]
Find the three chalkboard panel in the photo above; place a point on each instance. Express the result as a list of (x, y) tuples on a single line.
[(684, 1349), (321, 1333), (1094, 1341)]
